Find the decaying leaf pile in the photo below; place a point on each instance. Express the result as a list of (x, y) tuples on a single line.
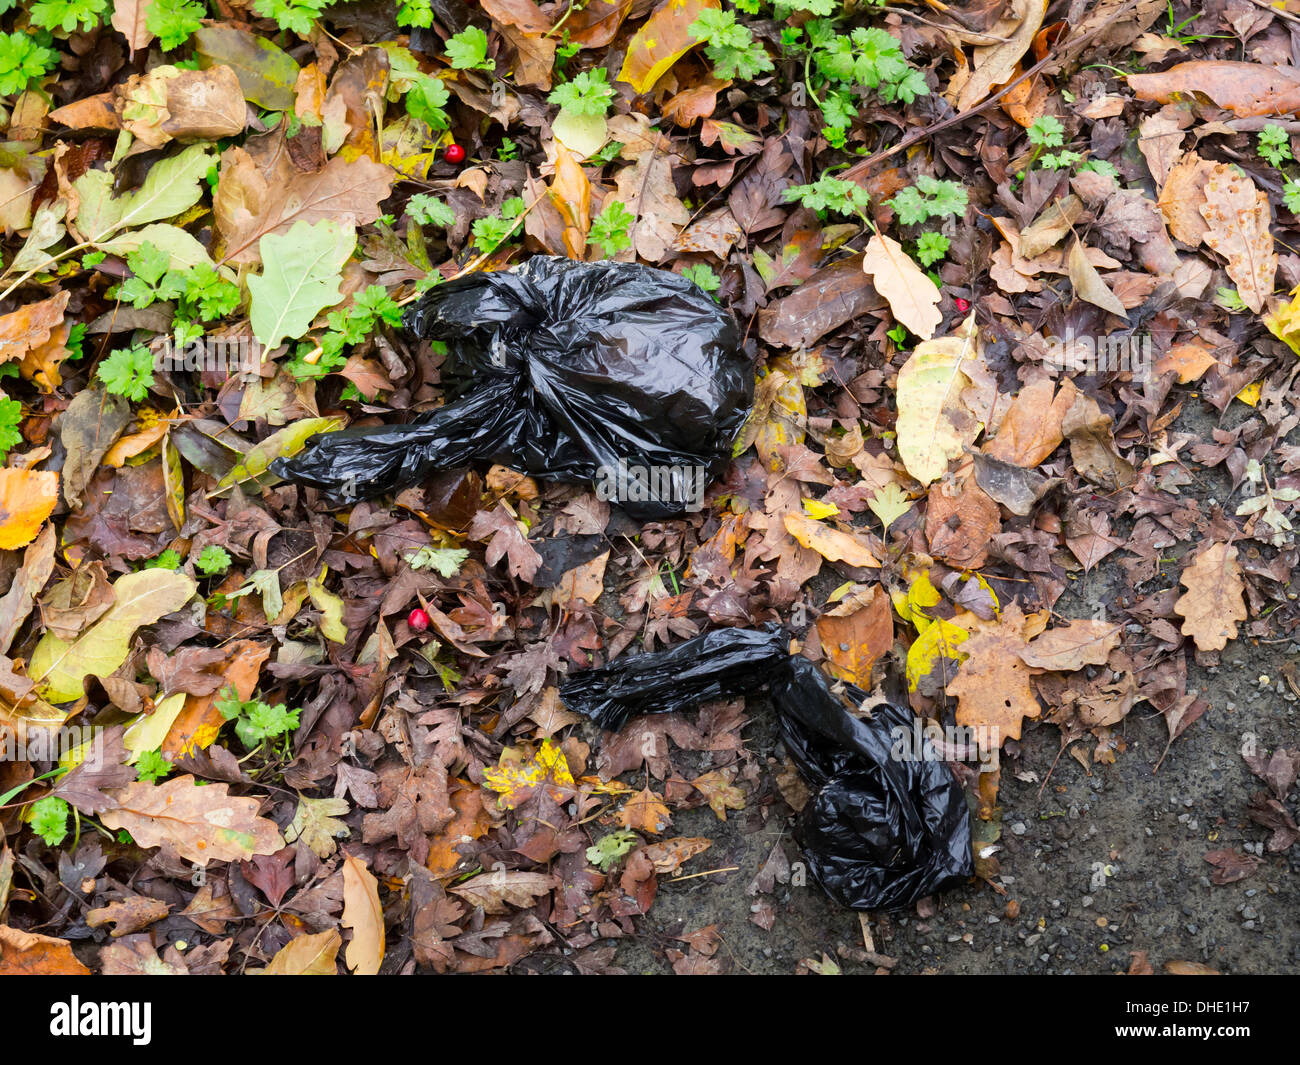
[(1014, 278)]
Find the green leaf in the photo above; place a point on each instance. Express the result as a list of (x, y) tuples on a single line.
[(141, 598), (301, 271), (184, 249), (316, 822), (285, 442), (49, 819), (172, 185), (446, 561), (468, 49), (266, 73)]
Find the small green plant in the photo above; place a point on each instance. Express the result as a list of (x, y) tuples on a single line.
[(1291, 195), (213, 560), (445, 561), (67, 15), (508, 150), (427, 211), (467, 50), (256, 722), (702, 274), (1275, 145), (1047, 132), (831, 194), (930, 248), (296, 16), (609, 849), (168, 559), (207, 295), (730, 46), (426, 100), (347, 327), (49, 819), (898, 334), (128, 372), (152, 279), (491, 232), (151, 766), (415, 13), (587, 93), (23, 59), (174, 22), (928, 198), (11, 416), (609, 229), (1100, 166)]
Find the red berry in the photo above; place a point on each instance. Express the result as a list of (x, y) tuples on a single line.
[(454, 153), (962, 305), (418, 619)]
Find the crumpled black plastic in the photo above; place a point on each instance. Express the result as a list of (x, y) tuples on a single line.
[(879, 832), (560, 369)]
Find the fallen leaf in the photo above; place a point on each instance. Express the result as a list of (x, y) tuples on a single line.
[(309, 955), (913, 298), (832, 544), (1214, 601), (1238, 217), (1073, 645), (934, 426), (363, 913), (27, 498), (855, 634), (1245, 89), (28, 954)]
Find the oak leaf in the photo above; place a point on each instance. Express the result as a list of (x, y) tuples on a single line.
[(1214, 601)]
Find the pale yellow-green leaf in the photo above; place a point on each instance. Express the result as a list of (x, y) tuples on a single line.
[(941, 639), (583, 135), (141, 599), (301, 274), (316, 823), (913, 297), (170, 187), (147, 731), (331, 610), (889, 504), (933, 424), (185, 250), (285, 442)]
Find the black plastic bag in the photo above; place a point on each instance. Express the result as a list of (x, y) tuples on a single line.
[(609, 372), (880, 831)]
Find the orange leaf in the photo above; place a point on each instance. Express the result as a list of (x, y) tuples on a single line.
[(28, 954), (26, 499)]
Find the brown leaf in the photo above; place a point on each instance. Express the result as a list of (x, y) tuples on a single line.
[(363, 914), (1245, 89), (30, 326), (645, 811), (203, 824), (522, 14), (1088, 284), (1092, 445), (309, 955), (1183, 196), (722, 794), (1231, 866), (500, 889), (1238, 217), (129, 20), (992, 688), (856, 634), (1031, 429), (1214, 601), (1072, 646), (128, 915), (913, 298), (960, 522), (829, 298), (646, 188), (28, 954), (500, 531)]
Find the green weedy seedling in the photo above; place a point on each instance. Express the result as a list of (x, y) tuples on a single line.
[(207, 296), (23, 59), (369, 307), (168, 559), (930, 248), (1047, 132), (832, 194), (294, 15), (424, 210), (128, 372), (256, 723), (1230, 300), (1275, 145), (587, 93), (68, 15), (609, 229), (702, 274), (491, 232), (609, 849), (426, 100), (1100, 166), (415, 13), (467, 50), (11, 416), (1291, 195), (151, 766), (49, 819), (174, 22), (213, 560), (928, 198), (152, 279), (730, 46)]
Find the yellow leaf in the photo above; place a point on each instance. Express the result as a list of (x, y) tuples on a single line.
[(933, 424), (889, 504), (516, 773), (330, 607), (147, 731), (815, 508), (662, 41), (26, 499), (1250, 394), (941, 639), (831, 544), (1284, 323)]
